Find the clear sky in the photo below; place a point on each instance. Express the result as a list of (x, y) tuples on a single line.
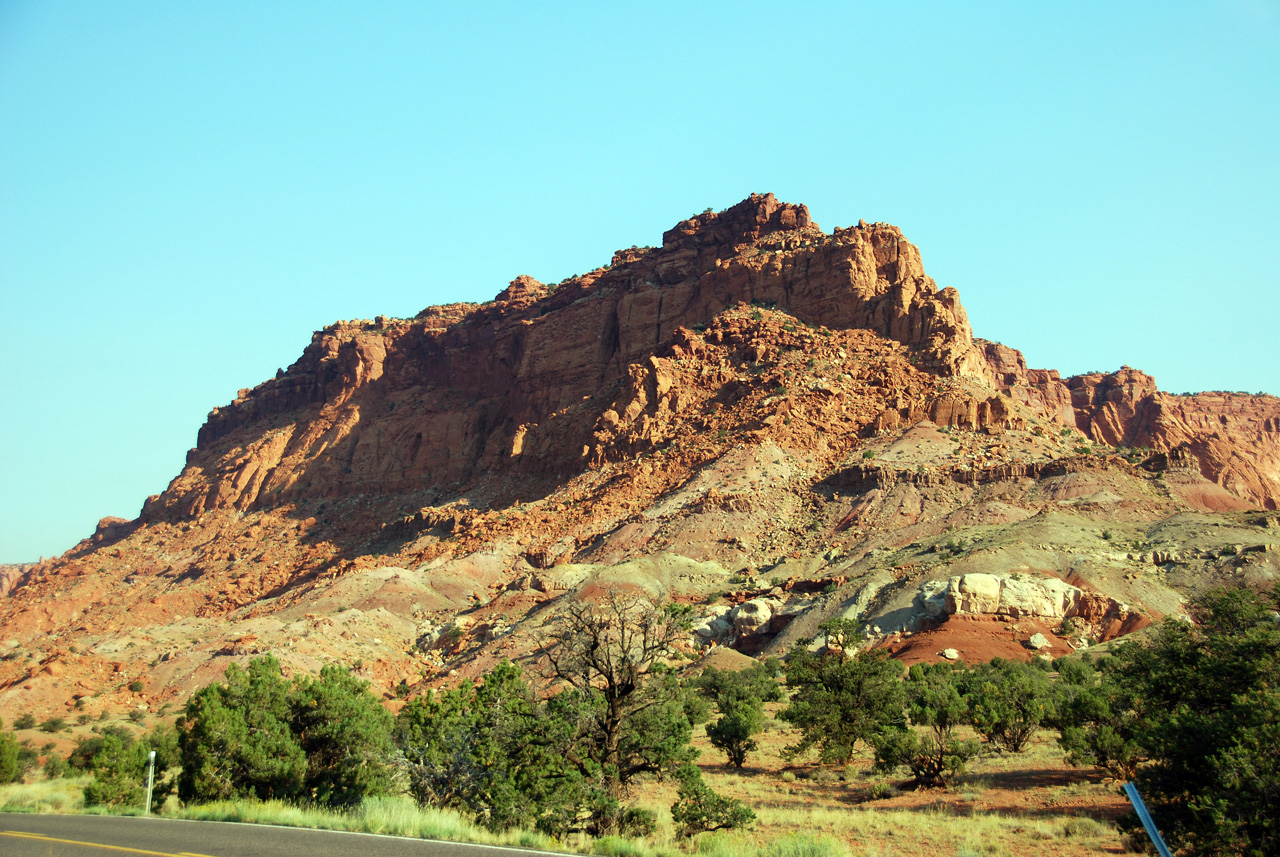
[(188, 190)]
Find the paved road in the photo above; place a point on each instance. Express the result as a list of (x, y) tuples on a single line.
[(107, 836)]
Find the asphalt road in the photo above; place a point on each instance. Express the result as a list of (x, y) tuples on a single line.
[(108, 836)]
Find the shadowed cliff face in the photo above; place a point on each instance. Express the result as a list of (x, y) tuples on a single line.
[(517, 385)]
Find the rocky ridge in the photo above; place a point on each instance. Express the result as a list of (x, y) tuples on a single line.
[(774, 424)]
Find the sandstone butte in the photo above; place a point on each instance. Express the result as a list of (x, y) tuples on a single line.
[(757, 412)]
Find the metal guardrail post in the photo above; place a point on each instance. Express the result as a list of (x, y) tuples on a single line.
[(1131, 791)]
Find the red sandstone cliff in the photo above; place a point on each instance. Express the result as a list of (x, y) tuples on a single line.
[(416, 468), (1234, 438), (516, 386), (393, 406)]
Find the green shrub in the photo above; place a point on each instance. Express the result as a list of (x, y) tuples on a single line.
[(1008, 700), (10, 769), (840, 697), (698, 808), (25, 721), (882, 791), (118, 775), (56, 767), (934, 702)]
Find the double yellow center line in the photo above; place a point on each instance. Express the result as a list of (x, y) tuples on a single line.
[(40, 837)]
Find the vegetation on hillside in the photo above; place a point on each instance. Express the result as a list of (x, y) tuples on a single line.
[(1191, 714)]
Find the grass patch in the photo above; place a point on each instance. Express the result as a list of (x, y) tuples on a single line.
[(54, 796), (390, 816)]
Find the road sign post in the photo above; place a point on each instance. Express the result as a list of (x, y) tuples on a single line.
[(151, 778)]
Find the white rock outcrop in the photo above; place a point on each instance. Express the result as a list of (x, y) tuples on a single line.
[(752, 617), (1007, 595)]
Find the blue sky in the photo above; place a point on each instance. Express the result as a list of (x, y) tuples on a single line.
[(188, 190)]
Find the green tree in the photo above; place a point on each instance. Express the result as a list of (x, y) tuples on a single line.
[(237, 741), (732, 733), (1008, 702), (726, 687), (345, 734), (840, 697), (698, 808), (1207, 696), (1095, 715), (119, 774), (740, 696), (119, 766), (628, 705), (81, 757), (9, 768), (493, 750), (935, 703)]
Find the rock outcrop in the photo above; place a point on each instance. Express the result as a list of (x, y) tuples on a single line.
[(391, 406), (1018, 596), (1233, 437)]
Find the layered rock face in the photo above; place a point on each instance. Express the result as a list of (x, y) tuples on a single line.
[(516, 385), (1234, 438)]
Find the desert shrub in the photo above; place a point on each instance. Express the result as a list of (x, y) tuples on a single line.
[(805, 845), (616, 846), (56, 767), (932, 756), (1082, 826), (882, 791), (1008, 701), (9, 767), (638, 821), (698, 809), (26, 720), (840, 697), (53, 724)]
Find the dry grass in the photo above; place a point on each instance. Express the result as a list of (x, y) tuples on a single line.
[(390, 816), (53, 796)]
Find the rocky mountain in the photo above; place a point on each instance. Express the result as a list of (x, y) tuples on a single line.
[(770, 422)]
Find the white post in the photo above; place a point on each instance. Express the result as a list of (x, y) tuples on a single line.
[(151, 777)]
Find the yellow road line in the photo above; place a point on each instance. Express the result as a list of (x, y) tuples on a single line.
[(42, 838)]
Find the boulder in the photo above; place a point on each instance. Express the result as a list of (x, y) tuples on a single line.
[(1039, 641), (752, 617)]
